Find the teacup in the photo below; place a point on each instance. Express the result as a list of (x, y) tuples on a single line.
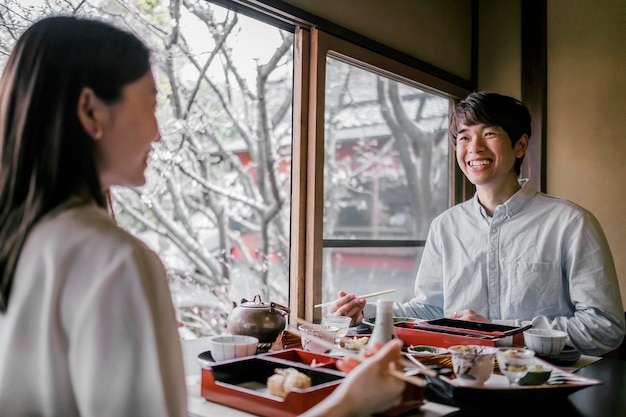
[(472, 364)]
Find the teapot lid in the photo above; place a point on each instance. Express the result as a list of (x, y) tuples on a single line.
[(255, 303)]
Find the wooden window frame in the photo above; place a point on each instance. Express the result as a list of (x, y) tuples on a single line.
[(308, 192), (305, 267)]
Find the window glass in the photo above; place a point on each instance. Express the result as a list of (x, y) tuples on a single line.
[(216, 206), (386, 174), (217, 203), (367, 270)]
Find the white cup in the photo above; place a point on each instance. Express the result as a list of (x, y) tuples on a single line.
[(227, 347), (311, 345), (338, 324), (472, 364)]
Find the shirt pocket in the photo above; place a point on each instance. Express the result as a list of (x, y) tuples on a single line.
[(534, 288)]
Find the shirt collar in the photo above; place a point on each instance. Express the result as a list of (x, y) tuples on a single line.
[(515, 204)]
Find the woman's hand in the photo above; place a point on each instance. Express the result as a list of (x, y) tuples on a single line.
[(369, 387), (350, 306)]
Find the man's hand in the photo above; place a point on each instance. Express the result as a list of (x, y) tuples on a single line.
[(350, 306), (469, 315)]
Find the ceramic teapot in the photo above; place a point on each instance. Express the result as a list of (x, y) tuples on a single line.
[(263, 320)]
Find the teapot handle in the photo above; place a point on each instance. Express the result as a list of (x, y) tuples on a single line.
[(277, 306)]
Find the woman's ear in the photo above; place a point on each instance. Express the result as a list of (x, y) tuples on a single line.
[(521, 146), (88, 111)]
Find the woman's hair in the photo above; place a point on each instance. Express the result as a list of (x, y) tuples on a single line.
[(45, 154), (496, 110)]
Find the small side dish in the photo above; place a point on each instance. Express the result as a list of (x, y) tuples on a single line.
[(424, 350)]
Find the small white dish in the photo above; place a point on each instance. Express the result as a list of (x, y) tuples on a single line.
[(425, 350)]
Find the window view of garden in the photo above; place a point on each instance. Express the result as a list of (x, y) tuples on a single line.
[(217, 205), (386, 177)]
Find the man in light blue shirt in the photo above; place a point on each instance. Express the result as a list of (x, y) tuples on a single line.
[(511, 255)]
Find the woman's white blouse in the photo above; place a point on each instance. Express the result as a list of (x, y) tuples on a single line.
[(90, 328)]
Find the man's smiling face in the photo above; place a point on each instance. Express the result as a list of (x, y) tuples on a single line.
[(485, 154)]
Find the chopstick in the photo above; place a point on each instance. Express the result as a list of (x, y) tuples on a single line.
[(410, 379), (373, 294)]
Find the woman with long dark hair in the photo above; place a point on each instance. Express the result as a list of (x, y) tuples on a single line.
[(87, 325)]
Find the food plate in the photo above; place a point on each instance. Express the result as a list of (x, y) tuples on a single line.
[(498, 391)]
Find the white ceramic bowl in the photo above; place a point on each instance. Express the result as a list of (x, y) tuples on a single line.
[(545, 342), (472, 364), (227, 347)]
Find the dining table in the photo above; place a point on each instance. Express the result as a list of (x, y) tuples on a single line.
[(607, 399)]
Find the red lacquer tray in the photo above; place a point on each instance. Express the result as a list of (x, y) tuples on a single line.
[(241, 384), (449, 332)]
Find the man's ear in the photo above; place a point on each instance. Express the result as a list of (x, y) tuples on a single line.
[(521, 146), (88, 112)]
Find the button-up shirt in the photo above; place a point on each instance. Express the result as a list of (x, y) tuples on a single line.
[(538, 260)]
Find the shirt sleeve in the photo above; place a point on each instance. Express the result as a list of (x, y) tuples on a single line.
[(125, 355), (597, 325), (427, 303)]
